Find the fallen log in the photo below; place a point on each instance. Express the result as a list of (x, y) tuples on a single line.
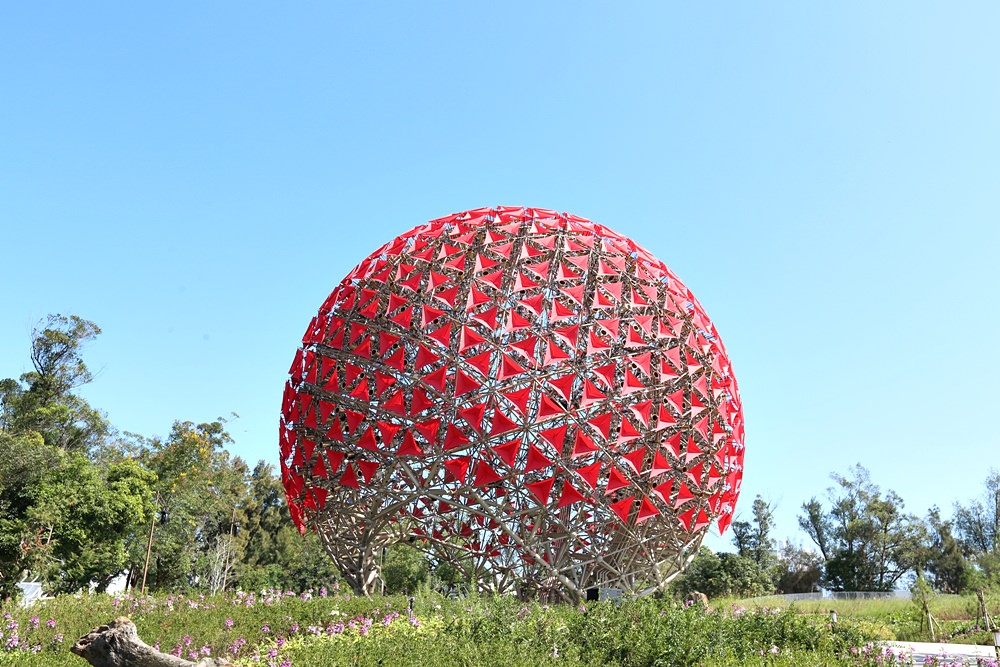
[(117, 644)]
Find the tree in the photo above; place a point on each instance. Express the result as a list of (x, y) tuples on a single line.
[(404, 569), (87, 515), (977, 528), (274, 554), (866, 540), (62, 516), (24, 461), (753, 540), (722, 575), (942, 560), (43, 400), (199, 486), (798, 570)]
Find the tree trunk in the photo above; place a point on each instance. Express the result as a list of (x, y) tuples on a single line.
[(117, 644)]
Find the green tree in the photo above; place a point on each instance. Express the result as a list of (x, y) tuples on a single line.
[(404, 569), (798, 570), (88, 515), (43, 400), (64, 518), (722, 575), (24, 460), (866, 540), (198, 487), (942, 561), (753, 540), (274, 554), (977, 529)]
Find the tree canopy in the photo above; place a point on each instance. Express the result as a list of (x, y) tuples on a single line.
[(78, 504)]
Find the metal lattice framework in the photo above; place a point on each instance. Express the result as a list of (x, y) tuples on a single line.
[(524, 394)]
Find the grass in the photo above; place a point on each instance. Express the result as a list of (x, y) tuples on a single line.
[(286, 629), (957, 616)]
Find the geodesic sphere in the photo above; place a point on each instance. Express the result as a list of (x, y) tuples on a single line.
[(522, 392)]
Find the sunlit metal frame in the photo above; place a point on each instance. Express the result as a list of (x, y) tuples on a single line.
[(524, 394)]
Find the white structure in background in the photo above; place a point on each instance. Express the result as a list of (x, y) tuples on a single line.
[(30, 591), (118, 584)]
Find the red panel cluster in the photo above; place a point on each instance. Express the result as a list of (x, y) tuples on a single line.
[(519, 389)]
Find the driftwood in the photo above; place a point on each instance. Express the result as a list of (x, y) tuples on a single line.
[(117, 644)]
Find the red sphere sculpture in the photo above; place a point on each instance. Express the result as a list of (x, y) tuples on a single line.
[(524, 394)]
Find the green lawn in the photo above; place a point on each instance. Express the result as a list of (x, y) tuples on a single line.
[(303, 630)]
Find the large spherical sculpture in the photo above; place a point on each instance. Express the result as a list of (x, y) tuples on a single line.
[(524, 394)]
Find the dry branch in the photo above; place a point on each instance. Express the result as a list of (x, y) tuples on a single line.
[(117, 644)]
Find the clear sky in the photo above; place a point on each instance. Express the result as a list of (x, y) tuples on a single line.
[(196, 177)]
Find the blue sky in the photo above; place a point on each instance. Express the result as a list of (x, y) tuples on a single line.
[(824, 176)]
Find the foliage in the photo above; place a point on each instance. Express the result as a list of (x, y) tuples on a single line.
[(43, 401), (753, 540), (798, 570), (866, 540), (977, 527), (722, 575), (88, 515), (77, 506), (317, 628), (941, 558), (66, 519), (404, 570)]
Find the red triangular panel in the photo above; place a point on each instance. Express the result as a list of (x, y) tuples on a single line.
[(602, 423), (536, 460), (663, 490), (622, 507), (569, 495), (464, 383), (438, 379), (428, 429), (442, 335), (660, 465), (509, 368), (590, 474), (485, 475), (458, 467), (409, 446), (501, 424), (474, 416), (554, 436), (481, 362), (541, 490), (646, 511), (564, 385), (583, 445), (635, 459), (367, 440), (508, 451), (520, 399), (683, 495), (349, 478), (319, 469), (368, 469), (469, 338), (395, 403), (454, 438), (615, 480), (627, 432)]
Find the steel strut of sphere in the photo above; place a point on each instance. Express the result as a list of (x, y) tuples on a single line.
[(523, 394)]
